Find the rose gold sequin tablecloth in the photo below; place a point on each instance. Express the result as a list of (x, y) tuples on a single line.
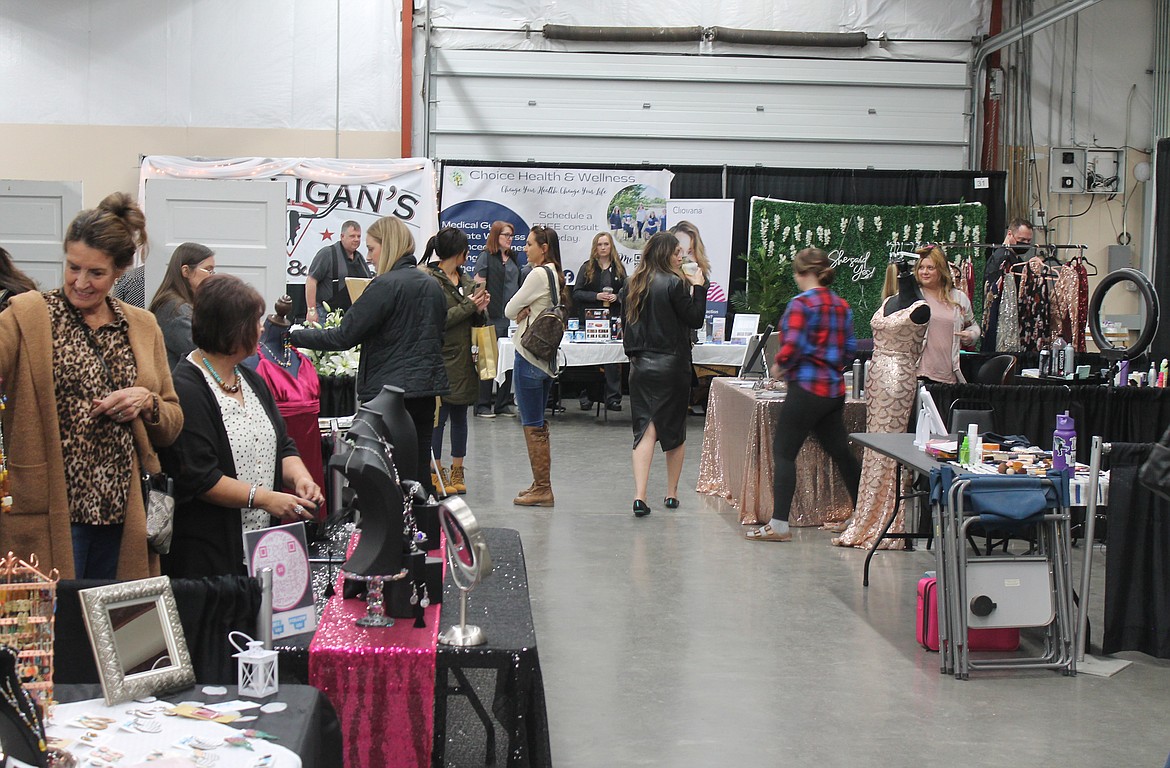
[(737, 459)]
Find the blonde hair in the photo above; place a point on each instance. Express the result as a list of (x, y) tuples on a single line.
[(697, 248), (890, 283), (936, 255), (395, 239), (591, 266)]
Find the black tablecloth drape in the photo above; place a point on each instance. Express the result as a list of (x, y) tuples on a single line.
[(1137, 568), (308, 727), (1129, 414), (501, 608), (209, 609)]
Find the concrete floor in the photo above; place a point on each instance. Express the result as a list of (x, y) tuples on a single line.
[(672, 641)]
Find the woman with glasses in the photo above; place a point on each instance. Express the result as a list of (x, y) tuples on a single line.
[(190, 265), (533, 375), (662, 306)]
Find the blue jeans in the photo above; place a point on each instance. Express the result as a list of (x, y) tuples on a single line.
[(532, 386), (96, 549), (458, 414)]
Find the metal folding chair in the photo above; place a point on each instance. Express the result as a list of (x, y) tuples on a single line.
[(1032, 590)]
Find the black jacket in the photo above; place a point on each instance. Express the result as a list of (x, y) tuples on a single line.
[(209, 538), (670, 309), (399, 322), (585, 291), (491, 266)]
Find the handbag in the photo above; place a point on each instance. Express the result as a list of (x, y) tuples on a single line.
[(483, 339), (158, 491), (158, 495), (543, 335), (1154, 472)]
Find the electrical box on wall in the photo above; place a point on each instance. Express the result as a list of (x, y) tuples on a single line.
[(1084, 171)]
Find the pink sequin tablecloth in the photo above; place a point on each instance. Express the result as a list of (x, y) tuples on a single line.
[(380, 680), (737, 458)]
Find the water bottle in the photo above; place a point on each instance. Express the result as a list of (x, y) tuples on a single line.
[(1064, 442)]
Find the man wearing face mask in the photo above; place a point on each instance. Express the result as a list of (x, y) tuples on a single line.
[(1017, 244)]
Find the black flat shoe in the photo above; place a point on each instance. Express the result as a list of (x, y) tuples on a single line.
[(641, 508), (670, 502)]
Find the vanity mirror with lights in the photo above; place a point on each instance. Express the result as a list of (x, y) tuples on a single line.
[(137, 639)]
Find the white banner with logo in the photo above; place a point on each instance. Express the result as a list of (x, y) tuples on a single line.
[(578, 203), (322, 195), (712, 220)]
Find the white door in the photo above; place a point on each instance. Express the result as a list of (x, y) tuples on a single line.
[(242, 221), (33, 218)]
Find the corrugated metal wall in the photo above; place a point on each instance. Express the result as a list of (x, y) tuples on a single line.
[(546, 106)]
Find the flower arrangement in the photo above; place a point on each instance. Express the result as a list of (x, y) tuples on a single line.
[(332, 362)]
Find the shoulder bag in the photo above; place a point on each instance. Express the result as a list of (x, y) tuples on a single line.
[(158, 491), (543, 335)]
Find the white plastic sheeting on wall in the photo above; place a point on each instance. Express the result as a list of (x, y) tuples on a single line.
[(495, 23), (207, 63)]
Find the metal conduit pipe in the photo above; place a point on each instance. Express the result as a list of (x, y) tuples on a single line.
[(623, 34), (796, 39), (990, 45)]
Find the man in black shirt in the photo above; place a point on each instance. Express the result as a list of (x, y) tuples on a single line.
[(325, 283)]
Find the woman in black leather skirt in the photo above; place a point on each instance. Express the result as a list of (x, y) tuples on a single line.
[(661, 306)]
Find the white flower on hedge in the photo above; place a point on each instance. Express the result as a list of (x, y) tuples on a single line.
[(877, 223), (918, 231), (786, 234), (828, 236), (860, 223), (934, 228), (976, 233), (959, 220), (906, 232), (808, 235), (844, 225)]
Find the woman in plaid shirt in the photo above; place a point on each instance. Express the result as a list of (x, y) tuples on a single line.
[(816, 345)]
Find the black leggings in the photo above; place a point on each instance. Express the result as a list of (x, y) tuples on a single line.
[(422, 413), (802, 413)]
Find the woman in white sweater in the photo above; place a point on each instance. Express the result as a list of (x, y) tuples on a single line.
[(531, 376)]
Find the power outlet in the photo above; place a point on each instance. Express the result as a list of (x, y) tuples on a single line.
[(1039, 218)]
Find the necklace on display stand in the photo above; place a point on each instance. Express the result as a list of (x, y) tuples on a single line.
[(284, 361), (18, 699)]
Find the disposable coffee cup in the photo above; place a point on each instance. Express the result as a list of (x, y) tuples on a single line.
[(690, 267)]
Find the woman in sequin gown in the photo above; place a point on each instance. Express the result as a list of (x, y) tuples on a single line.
[(889, 396)]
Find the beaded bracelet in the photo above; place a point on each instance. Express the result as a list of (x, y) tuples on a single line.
[(252, 495)]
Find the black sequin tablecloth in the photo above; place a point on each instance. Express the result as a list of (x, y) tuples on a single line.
[(504, 673)]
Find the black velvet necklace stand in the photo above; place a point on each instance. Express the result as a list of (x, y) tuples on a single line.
[(386, 412), (381, 549), (21, 731)]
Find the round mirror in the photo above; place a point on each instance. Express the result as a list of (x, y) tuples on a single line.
[(467, 553), (1123, 314)]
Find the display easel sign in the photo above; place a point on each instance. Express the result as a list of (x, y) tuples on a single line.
[(597, 325), (285, 550), (744, 328)]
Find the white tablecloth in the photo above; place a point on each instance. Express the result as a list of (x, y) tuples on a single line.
[(586, 353)]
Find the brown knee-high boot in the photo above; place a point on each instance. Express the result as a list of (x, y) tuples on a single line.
[(540, 493)]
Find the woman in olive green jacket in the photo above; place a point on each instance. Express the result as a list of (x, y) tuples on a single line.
[(465, 305)]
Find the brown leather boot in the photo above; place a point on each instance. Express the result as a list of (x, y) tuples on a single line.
[(540, 493)]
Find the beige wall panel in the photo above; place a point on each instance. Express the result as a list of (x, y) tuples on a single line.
[(105, 158)]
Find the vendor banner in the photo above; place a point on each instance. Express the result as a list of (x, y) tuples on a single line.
[(705, 225), (579, 203), (860, 240), (323, 194)]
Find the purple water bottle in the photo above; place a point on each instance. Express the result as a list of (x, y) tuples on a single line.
[(1064, 442)]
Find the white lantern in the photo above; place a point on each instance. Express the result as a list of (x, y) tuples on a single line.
[(256, 670)]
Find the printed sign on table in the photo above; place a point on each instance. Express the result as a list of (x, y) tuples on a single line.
[(285, 550)]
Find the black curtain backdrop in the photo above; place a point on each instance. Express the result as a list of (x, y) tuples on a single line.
[(1137, 571), (1161, 346), (836, 186), (1129, 414)]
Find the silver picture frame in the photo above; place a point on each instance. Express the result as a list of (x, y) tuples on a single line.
[(137, 639)]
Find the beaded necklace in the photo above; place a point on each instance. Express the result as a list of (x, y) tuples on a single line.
[(232, 389), (14, 694), (286, 362), (5, 491)]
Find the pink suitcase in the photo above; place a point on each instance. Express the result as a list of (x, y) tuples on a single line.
[(1006, 639)]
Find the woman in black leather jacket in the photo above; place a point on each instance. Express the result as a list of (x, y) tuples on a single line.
[(597, 286), (399, 320), (661, 307)]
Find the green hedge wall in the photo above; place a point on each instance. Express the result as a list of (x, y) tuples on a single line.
[(860, 239)]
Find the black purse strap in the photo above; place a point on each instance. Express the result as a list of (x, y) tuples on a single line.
[(552, 286)]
